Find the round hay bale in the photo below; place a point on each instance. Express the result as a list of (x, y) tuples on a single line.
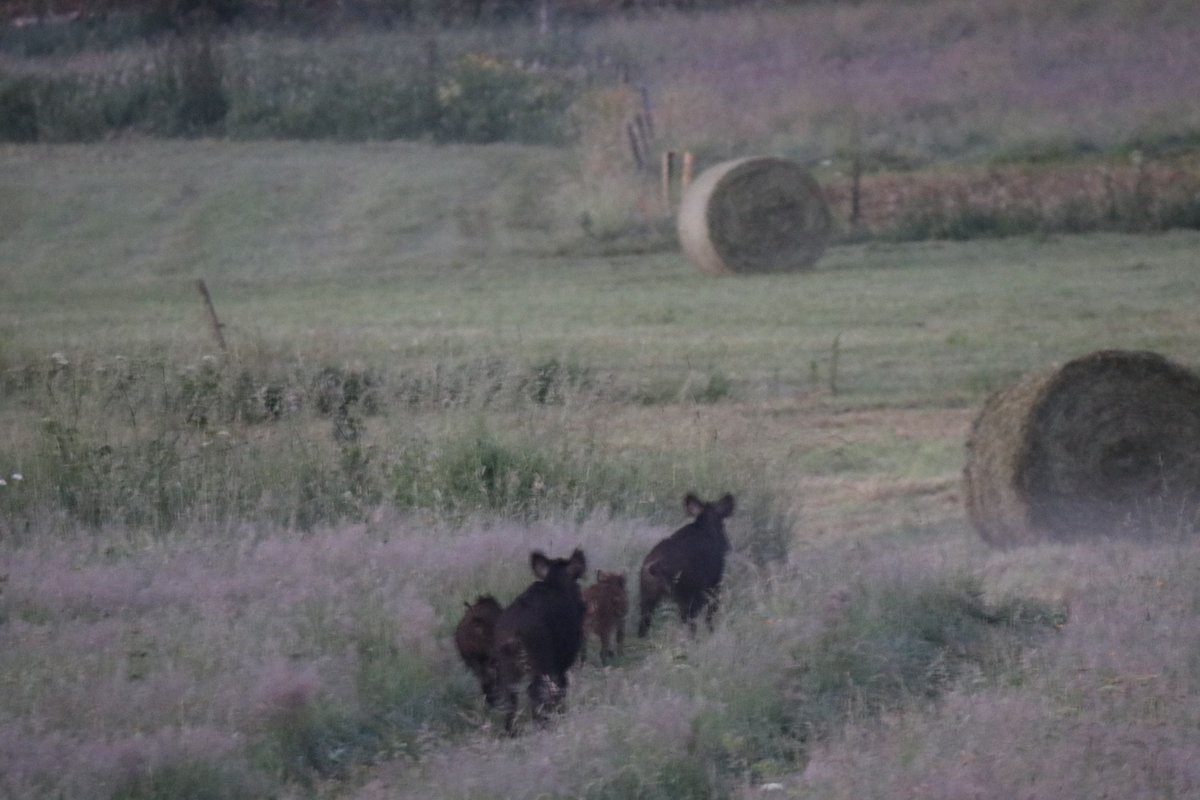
[(756, 214), (1106, 445)]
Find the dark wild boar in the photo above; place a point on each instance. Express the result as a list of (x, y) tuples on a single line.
[(607, 605), (474, 637), (688, 565), (539, 635)]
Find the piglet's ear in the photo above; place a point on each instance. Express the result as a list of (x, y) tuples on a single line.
[(692, 505), (539, 564), (577, 565)]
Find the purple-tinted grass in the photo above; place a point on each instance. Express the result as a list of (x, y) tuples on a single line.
[(55, 764), (124, 658), (129, 650), (1000, 745), (1106, 706), (926, 80), (628, 748)]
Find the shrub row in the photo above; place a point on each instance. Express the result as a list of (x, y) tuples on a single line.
[(1138, 196), (122, 23), (198, 86), (153, 446)]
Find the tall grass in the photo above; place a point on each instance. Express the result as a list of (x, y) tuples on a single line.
[(237, 575), (369, 86), (140, 443), (1109, 698), (253, 659), (913, 85), (926, 81)]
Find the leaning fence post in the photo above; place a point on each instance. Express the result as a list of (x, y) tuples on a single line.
[(212, 312), (635, 147)]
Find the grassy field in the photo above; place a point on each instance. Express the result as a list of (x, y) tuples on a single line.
[(235, 574)]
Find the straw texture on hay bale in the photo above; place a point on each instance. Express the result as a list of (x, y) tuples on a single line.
[(1106, 445), (756, 214)]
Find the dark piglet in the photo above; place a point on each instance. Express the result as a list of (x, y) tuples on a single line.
[(688, 565), (607, 605), (474, 636), (538, 637)]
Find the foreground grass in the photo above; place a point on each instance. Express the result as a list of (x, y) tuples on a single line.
[(236, 664), (234, 574)]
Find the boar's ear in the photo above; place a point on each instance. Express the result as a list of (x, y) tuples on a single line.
[(539, 564), (577, 565), (692, 505), (599, 575), (725, 506)]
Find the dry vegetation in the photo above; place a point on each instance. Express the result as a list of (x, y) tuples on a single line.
[(237, 574)]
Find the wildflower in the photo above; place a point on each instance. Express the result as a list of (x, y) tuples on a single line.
[(3, 482), (59, 359), (17, 477)]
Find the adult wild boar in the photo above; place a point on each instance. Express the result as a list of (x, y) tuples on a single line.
[(688, 565), (538, 637)]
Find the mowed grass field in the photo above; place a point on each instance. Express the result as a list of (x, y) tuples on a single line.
[(210, 594)]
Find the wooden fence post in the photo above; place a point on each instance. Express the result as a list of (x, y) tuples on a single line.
[(668, 172), (636, 147), (212, 312)]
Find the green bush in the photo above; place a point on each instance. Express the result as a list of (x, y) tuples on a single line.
[(196, 94), (18, 110), (481, 99), (480, 472), (248, 88), (71, 109), (194, 779), (910, 638), (966, 221), (147, 444), (276, 97), (178, 93), (309, 740)]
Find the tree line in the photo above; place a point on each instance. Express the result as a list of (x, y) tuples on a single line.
[(183, 13)]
